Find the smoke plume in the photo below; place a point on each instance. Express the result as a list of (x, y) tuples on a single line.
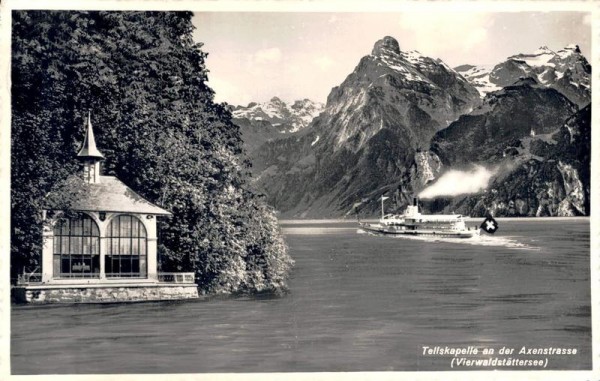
[(454, 182)]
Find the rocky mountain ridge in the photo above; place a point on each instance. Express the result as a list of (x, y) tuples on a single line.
[(488, 133), (565, 70), (401, 120), (273, 120), (284, 117), (547, 175), (394, 89), (366, 138)]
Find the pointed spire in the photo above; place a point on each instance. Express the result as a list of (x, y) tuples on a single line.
[(89, 150)]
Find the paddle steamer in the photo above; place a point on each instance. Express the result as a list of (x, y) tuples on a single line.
[(412, 222)]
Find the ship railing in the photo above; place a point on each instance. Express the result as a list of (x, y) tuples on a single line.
[(176, 277)]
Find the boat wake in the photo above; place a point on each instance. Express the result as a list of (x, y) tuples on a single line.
[(511, 242)]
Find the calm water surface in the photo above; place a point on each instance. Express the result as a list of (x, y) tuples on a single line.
[(356, 302)]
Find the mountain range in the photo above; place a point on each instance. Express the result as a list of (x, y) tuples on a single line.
[(535, 141), (566, 70), (401, 120), (272, 120)]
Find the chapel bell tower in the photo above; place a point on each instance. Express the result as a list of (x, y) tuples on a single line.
[(90, 156)]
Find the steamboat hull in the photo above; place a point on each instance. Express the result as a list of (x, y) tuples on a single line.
[(391, 230)]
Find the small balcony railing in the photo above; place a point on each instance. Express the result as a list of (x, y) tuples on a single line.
[(36, 277), (176, 277)]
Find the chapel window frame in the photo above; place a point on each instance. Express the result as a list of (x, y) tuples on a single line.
[(69, 245), (124, 250)]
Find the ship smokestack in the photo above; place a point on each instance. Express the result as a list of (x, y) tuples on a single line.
[(414, 201)]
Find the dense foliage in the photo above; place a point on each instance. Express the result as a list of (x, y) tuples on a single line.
[(144, 80)]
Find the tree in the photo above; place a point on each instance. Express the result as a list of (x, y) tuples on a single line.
[(144, 80)]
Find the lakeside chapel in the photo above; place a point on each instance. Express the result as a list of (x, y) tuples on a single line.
[(107, 250)]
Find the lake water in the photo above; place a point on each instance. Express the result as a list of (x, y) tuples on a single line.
[(357, 302)]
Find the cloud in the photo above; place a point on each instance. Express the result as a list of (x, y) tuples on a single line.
[(323, 62), (454, 182), (269, 55), (443, 33)]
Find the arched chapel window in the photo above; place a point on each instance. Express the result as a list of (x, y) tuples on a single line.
[(76, 247), (126, 248)]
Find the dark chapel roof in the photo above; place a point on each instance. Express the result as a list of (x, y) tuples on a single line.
[(112, 195)]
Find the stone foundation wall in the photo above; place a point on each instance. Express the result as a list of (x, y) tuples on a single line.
[(43, 295)]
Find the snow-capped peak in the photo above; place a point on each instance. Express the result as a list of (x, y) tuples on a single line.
[(544, 56), (478, 76), (276, 101), (573, 47), (412, 56), (568, 51), (292, 117), (540, 57), (562, 69), (386, 46), (543, 50)]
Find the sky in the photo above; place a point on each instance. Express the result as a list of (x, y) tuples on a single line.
[(254, 56)]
